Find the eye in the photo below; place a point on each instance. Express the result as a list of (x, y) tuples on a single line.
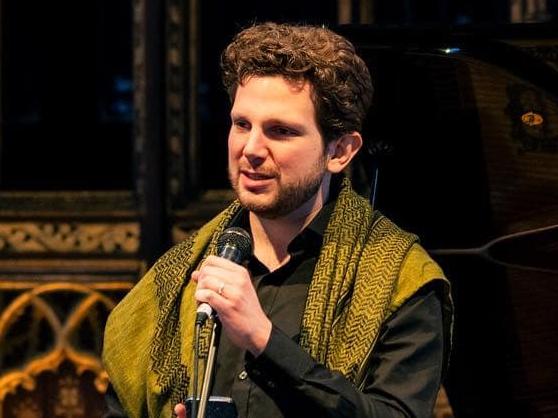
[(241, 124), (280, 130)]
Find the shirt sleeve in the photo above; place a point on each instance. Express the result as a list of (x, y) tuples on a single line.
[(402, 379)]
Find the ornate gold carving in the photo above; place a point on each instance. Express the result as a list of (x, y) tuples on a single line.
[(105, 238), (27, 409), (63, 331), (532, 119), (69, 403)]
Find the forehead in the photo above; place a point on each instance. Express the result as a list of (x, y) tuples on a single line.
[(261, 93)]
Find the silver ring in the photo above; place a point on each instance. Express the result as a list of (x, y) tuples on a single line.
[(220, 291)]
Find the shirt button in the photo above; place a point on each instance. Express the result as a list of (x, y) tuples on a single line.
[(243, 375)]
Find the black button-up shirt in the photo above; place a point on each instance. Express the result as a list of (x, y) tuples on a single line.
[(404, 373), (282, 294)]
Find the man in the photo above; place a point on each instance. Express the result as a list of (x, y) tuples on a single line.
[(338, 312)]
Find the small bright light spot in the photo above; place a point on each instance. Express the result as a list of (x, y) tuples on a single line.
[(451, 50)]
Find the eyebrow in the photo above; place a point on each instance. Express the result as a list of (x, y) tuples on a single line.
[(293, 124)]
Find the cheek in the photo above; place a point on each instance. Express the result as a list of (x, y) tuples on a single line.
[(298, 159), (303, 164), (234, 148), (290, 167)]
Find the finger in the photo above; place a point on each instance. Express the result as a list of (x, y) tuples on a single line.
[(180, 410), (217, 302), (228, 290), (195, 275), (207, 296), (225, 275), (213, 260), (211, 274), (212, 282), (215, 280)]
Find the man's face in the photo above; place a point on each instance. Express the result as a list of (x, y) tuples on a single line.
[(276, 153)]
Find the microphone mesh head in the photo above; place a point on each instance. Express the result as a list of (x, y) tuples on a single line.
[(237, 238)]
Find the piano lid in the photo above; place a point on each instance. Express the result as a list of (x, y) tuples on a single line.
[(464, 137)]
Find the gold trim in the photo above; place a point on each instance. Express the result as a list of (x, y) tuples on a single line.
[(98, 265), (22, 285)]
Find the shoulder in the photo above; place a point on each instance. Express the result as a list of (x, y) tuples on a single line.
[(418, 263), (417, 270)]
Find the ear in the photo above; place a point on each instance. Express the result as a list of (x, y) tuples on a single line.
[(342, 150)]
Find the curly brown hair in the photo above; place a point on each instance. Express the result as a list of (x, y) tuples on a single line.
[(341, 84)]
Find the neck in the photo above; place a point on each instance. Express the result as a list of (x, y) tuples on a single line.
[(272, 236)]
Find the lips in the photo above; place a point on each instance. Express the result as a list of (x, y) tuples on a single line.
[(255, 182), (256, 176)]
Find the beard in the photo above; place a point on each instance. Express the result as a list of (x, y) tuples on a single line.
[(288, 198)]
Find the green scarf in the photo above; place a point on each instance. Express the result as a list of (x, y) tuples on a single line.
[(367, 269)]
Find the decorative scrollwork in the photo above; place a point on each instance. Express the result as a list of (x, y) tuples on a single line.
[(69, 403), (64, 331), (28, 409), (83, 238)]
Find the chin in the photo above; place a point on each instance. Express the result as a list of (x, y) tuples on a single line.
[(256, 205), (264, 206)]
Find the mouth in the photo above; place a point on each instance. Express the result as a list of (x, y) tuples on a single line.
[(255, 182), (256, 176)]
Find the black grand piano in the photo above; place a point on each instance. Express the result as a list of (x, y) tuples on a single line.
[(464, 151)]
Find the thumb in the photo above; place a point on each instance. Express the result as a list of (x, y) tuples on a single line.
[(180, 410)]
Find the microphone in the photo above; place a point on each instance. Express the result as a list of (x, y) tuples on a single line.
[(234, 244)]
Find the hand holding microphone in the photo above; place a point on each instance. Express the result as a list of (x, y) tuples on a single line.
[(226, 287), (235, 244)]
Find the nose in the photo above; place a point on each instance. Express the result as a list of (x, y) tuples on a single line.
[(255, 148)]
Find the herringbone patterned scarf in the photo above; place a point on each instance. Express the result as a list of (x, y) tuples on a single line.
[(352, 286), (349, 297)]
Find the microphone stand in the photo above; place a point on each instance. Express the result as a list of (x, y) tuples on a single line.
[(210, 365)]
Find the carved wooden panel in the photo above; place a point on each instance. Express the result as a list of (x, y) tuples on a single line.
[(51, 333), (69, 237)]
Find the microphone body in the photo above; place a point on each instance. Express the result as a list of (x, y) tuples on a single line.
[(235, 244)]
